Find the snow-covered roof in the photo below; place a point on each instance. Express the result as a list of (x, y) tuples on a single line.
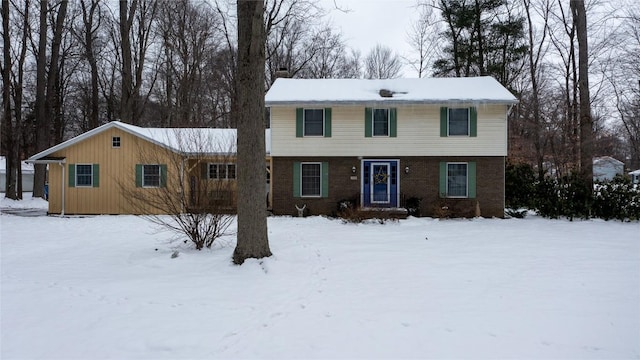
[(26, 168), (180, 140), (606, 160), (635, 172), (483, 89)]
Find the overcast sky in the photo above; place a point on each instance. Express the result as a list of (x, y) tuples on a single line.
[(368, 22)]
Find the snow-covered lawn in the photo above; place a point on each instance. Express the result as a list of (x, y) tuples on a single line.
[(107, 287)]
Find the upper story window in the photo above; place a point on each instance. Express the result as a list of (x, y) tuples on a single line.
[(381, 122), (222, 171), (458, 121), (115, 141), (461, 121), (313, 122)]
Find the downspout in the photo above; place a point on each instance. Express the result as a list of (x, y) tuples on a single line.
[(183, 186), (62, 210)]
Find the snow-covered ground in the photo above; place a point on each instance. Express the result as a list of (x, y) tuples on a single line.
[(107, 287)]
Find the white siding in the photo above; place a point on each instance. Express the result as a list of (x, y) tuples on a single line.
[(418, 134)]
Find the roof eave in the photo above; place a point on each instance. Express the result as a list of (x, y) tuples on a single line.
[(389, 102)]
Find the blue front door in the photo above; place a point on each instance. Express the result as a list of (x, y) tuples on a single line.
[(380, 183)]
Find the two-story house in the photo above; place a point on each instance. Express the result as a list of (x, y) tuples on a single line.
[(381, 142)]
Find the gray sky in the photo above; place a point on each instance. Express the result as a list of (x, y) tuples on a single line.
[(368, 22)]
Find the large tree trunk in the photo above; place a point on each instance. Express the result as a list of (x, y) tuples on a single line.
[(89, 32), (8, 142), (53, 102), (253, 241), (586, 123), (42, 120), (126, 19)]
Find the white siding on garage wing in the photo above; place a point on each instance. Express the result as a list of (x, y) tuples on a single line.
[(418, 134)]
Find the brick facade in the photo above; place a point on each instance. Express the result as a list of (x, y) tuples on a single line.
[(422, 181)]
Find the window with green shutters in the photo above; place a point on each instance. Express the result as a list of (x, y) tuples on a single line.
[(313, 122), (310, 179), (380, 122), (84, 175), (151, 175), (458, 121), (458, 179)]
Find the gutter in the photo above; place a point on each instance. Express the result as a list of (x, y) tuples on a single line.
[(303, 103)]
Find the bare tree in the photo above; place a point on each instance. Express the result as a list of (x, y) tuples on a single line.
[(189, 40), (46, 82), (423, 39), (328, 57), (193, 193), (253, 241), (382, 63), (135, 25), (586, 122), (8, 143), (536, 50), (87, 33)]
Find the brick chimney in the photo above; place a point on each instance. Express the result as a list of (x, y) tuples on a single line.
[(282, 72)]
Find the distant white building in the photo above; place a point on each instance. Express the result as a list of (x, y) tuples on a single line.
[(27, 175), (606, 168), (635, 176)]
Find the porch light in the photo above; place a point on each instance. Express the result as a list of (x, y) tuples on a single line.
[(353, 169), (406, 169)]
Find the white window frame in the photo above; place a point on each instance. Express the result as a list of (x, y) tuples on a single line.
[(159, 176), (373, 122), (76, 175), (466, 196), (220, 166), (304, 122), (319, 195), (115, 139), (468, 122)]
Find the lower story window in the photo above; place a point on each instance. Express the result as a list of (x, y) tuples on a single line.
[(84, 175), (222, 171), (457, 175), (311, 175), (151, 176)]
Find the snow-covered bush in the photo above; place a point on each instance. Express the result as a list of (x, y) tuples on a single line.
[(617, 199)]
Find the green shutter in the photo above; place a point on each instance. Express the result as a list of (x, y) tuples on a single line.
[(443, 179), (163, 175), (473, 122), (296, 179), (444, 112), (204, 170), (368, 125), (138, 175), (72, 175), (471, 179), (299, 121), (96, 175), (327, 122), (325, 179), (393, 122)]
